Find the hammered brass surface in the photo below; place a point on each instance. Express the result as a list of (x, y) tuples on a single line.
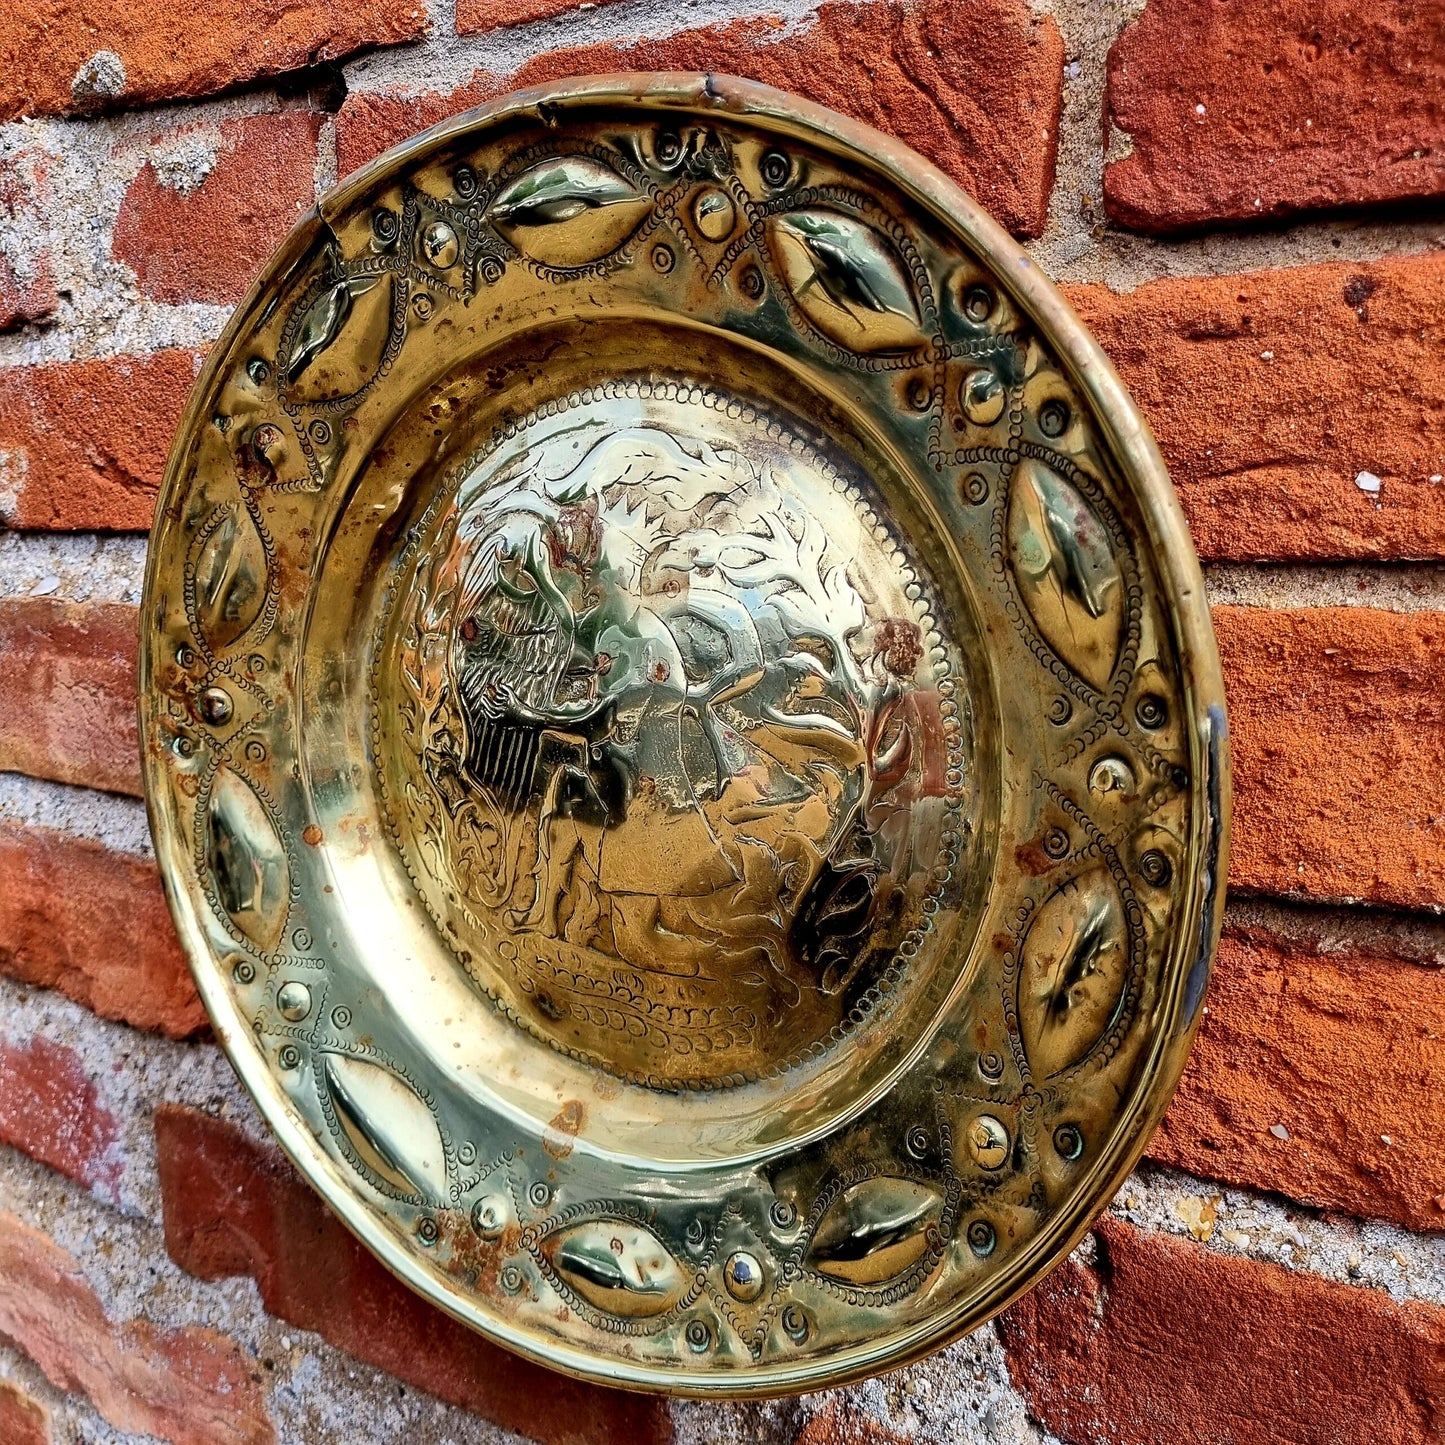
[(683, 736)]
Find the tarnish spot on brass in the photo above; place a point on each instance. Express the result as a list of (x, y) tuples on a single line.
[(560, 1134)]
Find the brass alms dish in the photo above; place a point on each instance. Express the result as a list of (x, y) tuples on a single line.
[(683, 736)]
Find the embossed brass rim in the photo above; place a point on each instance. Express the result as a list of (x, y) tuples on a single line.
[(683, 736)]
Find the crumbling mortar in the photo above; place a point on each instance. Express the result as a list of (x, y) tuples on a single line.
[(91, 163), (1390, 586), (118, 822), (1401, 937), (444, 59), (313, 1391), (1246, 1223), (72, 566)]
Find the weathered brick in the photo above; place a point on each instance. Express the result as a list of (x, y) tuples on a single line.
[(1162, 1341), (836, 1424), (478, 17), (235, 1207), (83, 444), (23, 1421), (80, 917), (27, 272), (1337, 724), (49, 1110), (59, 56), (974, 87), (67, 692), (1341, 1049), (1272, 392), (207, 241), (191, 1386), (1257, 111)]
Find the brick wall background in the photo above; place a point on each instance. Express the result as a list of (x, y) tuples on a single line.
[(1245, 201)]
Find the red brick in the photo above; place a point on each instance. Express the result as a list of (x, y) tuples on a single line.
[(837, 1424), (478, 17), (23, 1421), (181, 49), (67, 692), (50, 1111), (975, 87), (1265, 448), (1162, 1341), (207, 244), (190, 1386), (80, 917), (1308, 105), (83, 444), (27, 274), (1341, 1049), (1337, 723), (236, 1207)]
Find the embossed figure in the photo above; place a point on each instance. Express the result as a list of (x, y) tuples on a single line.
[(648, 590), (675, 732)]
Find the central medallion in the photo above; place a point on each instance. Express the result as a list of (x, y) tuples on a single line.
[(680, 765)]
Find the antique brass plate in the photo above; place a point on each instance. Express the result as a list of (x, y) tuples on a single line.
[(683, 736)]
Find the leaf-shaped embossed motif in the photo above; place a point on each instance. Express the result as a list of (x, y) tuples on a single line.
[(848, 280), (874, 1230), (620, 1268), (1074, 964), (247, 860), (568, 211), (230, 576), (390, 1129), (323, 321), (1067, 574)]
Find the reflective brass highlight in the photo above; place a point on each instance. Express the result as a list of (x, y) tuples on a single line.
[(652, 703), (684, 737)]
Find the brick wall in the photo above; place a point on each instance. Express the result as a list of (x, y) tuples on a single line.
[(1245, 202)]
